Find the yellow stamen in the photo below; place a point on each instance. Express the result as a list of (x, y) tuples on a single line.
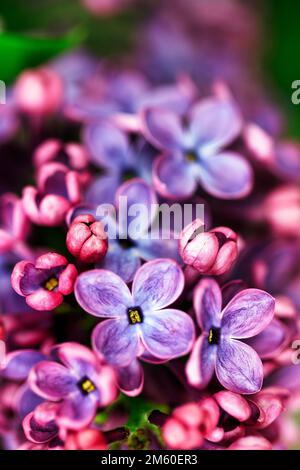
[(134, 316), (191, 156), (88, 386), (51, 284)]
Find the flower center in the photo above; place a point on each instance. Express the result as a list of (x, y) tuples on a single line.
[(126, 243), (128, 174), (86, 386), (214, 336), (51, 284), (135, 315), (191, 156)]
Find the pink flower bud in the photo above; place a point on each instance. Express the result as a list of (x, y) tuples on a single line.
[(58, 189), (105, 7), (190, 424), (211, 253), (86, 439), (87, 240), (39, 91), (72, 155), (251, 443), (282, 210)]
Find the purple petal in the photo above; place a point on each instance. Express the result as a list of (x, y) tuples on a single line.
[(103, 189), (157, 284), (103, 293), (168, 333), (176, 98), (287, 160), (131, 379), (238, 367), (146, 356), (81, 360), (121, 261), (137, 195), (19, 364), (286, 377), (271, 340), (247, 314), (116, 341), (162, 128), (32, 279), (27, 400), (226, 175), (80, 209), (174, 178), (107, 144), (215, 124), (158, 247), (51, 380), (39, 432), (208, 304), (201, 364), (78, 411)]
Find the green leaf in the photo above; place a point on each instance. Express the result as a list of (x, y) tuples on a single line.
[(138, 425), (139, 412), (281, 64), (19, 52)]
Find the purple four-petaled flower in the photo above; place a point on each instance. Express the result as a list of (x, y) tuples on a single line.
[(219, 349), (77, 381), (137, 324), (192, 150)]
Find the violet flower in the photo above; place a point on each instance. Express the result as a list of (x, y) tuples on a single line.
[(125, 253), (193, 153), (112, 151), (127, 250), (118, 97), (137, 324), (237, 366), (58, 189), (45, 282), (78, 383), (16, 370)]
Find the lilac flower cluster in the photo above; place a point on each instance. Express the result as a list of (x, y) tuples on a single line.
[(200, 327)]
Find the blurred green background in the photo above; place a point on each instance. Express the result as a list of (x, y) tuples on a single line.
[(27, 39)]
